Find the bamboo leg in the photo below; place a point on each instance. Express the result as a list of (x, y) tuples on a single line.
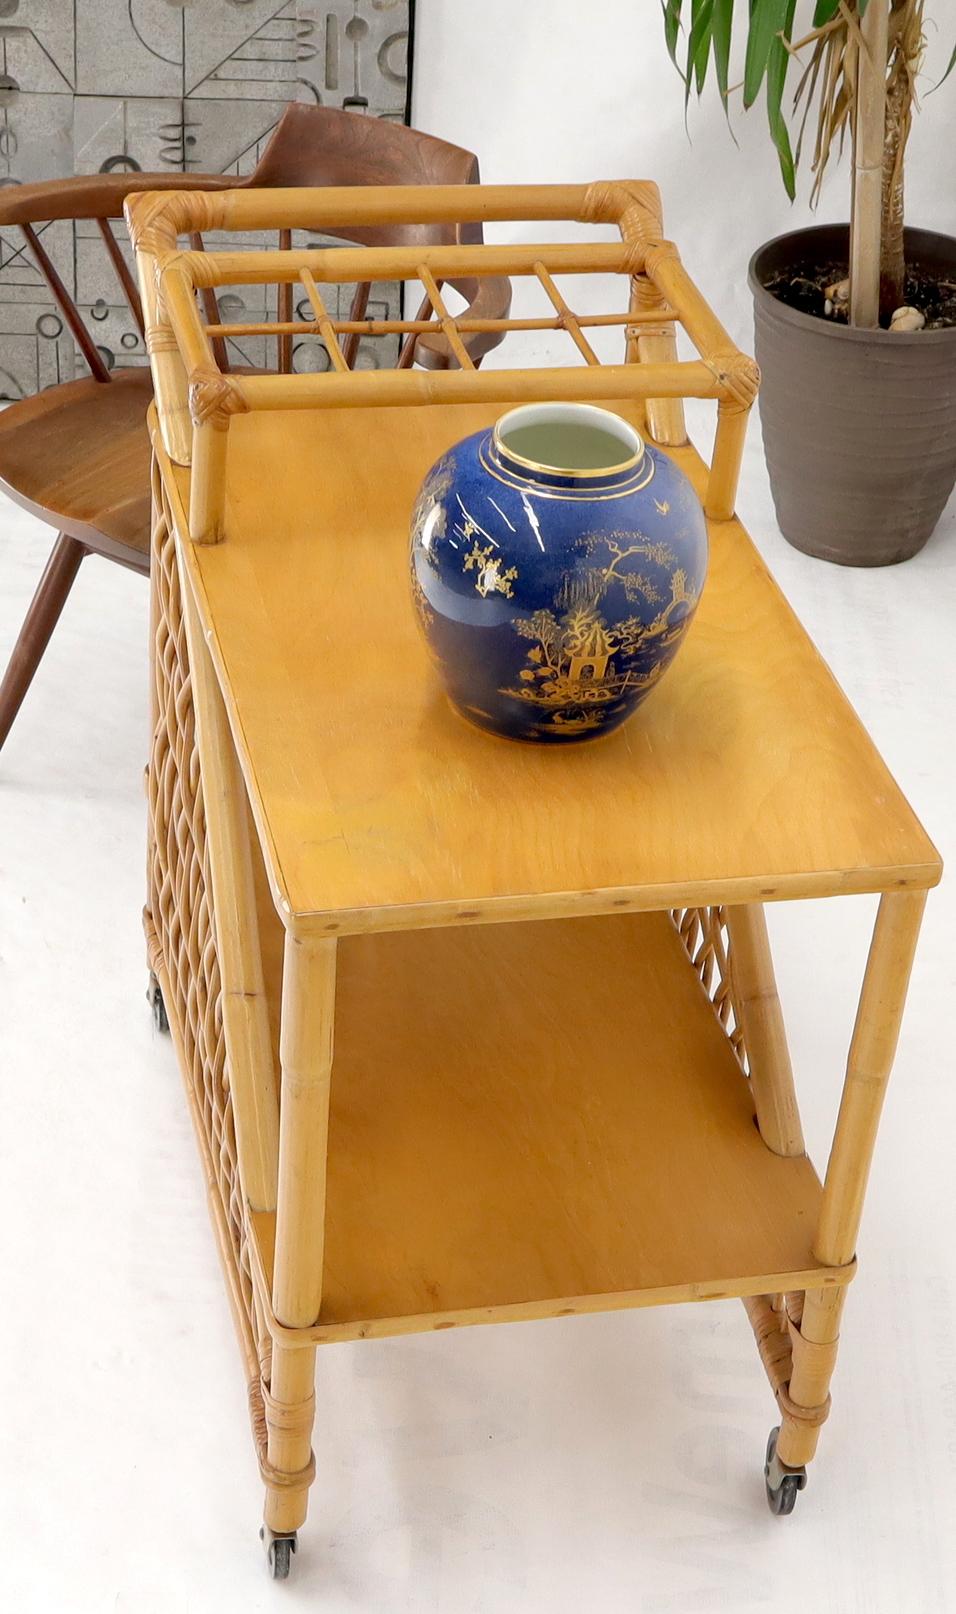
[(656, 344), (814, 1341), (207, 485), (872, 1051), (805, 1401), (244, 1005), (289, 1469), (737, 375), (755, 993), (308, 1011), (722, 482)]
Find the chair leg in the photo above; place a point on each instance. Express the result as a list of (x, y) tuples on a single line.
[(40, 620)]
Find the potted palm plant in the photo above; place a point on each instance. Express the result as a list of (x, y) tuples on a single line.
[(855, 324)]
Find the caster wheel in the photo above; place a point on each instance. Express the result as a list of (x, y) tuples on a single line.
[(782, 1483), (279, 1551), (154, 997)]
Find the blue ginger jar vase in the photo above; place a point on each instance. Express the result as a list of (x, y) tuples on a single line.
[(556, 561)]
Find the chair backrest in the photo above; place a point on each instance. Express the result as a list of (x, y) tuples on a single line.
[(310, 146), (321, 146)]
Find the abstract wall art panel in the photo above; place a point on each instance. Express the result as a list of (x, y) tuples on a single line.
[(100, 86)]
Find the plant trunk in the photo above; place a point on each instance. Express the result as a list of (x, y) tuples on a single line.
[(905, 46), (869, 141), (892, 264)]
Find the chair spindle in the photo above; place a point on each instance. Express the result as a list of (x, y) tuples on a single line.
[(84, 341)]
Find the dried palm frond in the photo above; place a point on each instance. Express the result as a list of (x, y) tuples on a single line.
[(829, 79)]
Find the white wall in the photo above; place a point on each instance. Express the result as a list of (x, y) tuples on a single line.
[(547, 90)]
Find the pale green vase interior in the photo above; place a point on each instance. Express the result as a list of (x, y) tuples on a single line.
[(568, 438)]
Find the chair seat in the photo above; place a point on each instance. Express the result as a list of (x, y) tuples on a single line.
[(77, 456)]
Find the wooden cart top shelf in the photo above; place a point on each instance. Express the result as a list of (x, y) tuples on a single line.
[(745, 776)]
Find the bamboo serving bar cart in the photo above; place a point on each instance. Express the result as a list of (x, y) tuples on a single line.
[(547, 971)]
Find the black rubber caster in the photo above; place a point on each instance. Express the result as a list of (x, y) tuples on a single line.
[(782, 1483), (154, 997), (279, 1551)]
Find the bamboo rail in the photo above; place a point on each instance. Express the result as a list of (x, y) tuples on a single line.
[(338, 265), (197, 396), (386, 327)]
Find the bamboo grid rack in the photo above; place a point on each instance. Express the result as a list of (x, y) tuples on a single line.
[(196, 398), (254, 978)]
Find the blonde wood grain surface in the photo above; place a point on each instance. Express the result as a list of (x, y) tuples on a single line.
[(509, 1106), (746, 775), (262, 1242)]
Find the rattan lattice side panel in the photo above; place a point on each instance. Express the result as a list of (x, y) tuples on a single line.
[(181, 939), (775, 1319), (706, 937)]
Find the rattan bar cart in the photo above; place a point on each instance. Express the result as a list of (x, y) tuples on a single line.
[(547, 972)]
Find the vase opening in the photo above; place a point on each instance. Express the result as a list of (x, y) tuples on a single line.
[(568, 439)]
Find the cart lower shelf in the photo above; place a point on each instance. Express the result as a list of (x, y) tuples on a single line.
[(535, 1120)]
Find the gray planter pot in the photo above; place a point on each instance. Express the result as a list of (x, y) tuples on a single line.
[(859, 427)]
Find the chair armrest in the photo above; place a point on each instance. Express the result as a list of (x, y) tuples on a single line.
[(95, 196), (487, 299)]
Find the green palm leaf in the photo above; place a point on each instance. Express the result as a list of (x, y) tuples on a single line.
[(721, 31), (767, 19), (698, 45), (949, 68), (671, 10), (778, 60)]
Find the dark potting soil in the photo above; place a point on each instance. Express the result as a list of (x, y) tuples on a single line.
[(804, 287)]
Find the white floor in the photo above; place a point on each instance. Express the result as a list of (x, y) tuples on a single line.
[(608, 1463)]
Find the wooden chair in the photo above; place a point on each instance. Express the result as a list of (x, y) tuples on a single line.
[(77, 454)]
